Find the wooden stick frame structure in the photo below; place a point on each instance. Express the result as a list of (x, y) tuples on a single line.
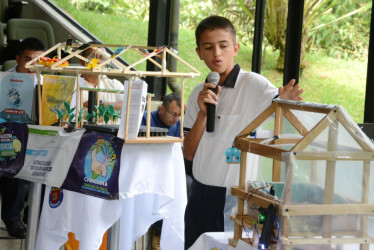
[(148, 53), (285, 210)]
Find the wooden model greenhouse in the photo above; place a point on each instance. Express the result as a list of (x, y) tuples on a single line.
[(114, 67), (326, 164)]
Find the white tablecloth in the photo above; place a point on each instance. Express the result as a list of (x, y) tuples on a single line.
[(152, 186), (218, 240)]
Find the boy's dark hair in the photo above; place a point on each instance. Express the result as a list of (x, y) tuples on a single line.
[(212, 23), (30, 43), (87, 52), (171, 97)]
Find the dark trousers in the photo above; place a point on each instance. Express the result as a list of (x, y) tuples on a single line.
[(204, 212), (13, 198)]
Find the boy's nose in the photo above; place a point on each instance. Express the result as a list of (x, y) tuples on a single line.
[(217, 51)]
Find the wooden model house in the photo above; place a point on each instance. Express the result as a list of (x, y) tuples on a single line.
[(111, 66), (326, 164)]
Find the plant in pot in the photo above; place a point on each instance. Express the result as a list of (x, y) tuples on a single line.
[(102, 111), (107, 112)]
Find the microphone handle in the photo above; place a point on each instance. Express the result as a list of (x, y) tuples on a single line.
[(211, 114)]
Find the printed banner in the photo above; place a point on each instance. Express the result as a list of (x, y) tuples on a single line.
[(95, 167), (13, 141), (56, 91), (15, 97), (50, 151)]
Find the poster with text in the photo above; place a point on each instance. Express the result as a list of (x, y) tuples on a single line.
[(50, 151), (56, 91), (16, 96), (137, 106)]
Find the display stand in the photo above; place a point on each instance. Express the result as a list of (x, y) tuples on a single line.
[(321, 144), (151, 54), (113, 67)]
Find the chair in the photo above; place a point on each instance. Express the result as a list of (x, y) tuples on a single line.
[(4, 9), (9, 64), (10, 9), (20, 28)]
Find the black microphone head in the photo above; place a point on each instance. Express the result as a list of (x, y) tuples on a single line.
[(213, 77)]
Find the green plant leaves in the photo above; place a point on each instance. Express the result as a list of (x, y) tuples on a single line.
[(60, 114), (106, 112)]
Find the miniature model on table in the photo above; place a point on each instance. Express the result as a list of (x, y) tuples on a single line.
[(325, 194), (105, 68), (176, 155)]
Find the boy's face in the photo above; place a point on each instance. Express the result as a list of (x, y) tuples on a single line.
[(217, 49), (26, 57)]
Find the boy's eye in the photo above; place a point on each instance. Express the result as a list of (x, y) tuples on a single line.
[(224, 45)]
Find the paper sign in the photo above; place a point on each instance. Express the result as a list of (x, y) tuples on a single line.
[(16, 96), (137, 107), (50, 151)]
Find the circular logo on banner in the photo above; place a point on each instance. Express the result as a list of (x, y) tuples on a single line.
[(55, 197), (100, 161)]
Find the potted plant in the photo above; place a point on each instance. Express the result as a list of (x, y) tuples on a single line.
[(67, 115)]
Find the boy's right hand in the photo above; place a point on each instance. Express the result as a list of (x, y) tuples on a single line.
[(208, 96)]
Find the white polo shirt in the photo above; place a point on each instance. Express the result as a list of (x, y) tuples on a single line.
[(106, 83), (238, 106), (14, 69)]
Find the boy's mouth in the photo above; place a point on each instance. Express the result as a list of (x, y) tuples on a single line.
[(217, 62)]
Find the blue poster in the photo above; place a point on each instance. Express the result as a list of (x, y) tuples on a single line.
[(13, 142), (16, 96), (95, 167)]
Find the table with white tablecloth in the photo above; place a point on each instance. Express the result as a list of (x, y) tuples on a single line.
[(218, 240), (152, 186)]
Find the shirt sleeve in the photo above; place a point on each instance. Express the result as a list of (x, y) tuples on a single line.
[(118, 85), (85, 92), (192, 108)]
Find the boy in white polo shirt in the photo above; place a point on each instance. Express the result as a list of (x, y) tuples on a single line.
[(241, 97), (12, 189)]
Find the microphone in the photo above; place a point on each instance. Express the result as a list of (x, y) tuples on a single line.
[(213, 77)]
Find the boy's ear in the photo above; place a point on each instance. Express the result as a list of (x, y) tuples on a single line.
[(18, 59), (236, 49), (198, 53)]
